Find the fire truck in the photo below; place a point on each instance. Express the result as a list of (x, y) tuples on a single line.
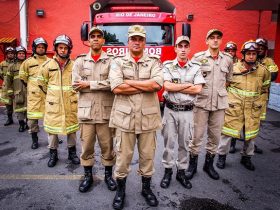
[(115, 16)]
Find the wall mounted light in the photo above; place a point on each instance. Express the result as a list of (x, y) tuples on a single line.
[(189, 17), (40, 12)]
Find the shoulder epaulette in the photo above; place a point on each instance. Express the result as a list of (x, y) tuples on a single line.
[(46, 62), (195, 63), (225, 53), (199, 54), (154, 56), (81, 55)]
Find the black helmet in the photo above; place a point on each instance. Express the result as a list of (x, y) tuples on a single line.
[(231, 46), (63, 39), (249, 45), (10, 49), (38, 41), (262, 42), (20, 48)]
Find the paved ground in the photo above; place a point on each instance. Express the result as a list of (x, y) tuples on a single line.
[(27, 183)]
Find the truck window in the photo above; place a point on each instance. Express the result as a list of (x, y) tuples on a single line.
[(157, 35)]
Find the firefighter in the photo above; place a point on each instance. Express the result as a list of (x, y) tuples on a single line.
[(8, 101), (272, 67), (135, 79), (231, 48), (18, 89), (90, 78), (210, 104), (247, 92), (55, 80), (182, 81), (35, 98)]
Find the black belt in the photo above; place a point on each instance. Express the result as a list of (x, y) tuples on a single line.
[(177, 107)]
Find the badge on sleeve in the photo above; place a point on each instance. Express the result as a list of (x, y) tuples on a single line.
[(176, 80)]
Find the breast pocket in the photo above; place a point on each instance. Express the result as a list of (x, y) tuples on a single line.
[(224, 71), (144, 75), (128, 73)]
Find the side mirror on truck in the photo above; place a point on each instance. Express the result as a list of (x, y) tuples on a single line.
[(186, 29), (84, 32)]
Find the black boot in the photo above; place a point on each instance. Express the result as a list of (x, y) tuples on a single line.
[(26, 125), (221, 163), (192, 166), (147, 193), (34, 144), (181, 177), (257, 150), (21, 126), (165, 182), (232, 146), (209, 168), (111, 183), (53, 158), (246, 161), (118, 201), (73, 156), (88, 180), (9, 120)]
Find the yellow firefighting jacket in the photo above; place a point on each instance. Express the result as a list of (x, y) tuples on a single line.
[(246, 95), (273, 68), (35, 98), (16, 88), (4, 98), (61, 100)]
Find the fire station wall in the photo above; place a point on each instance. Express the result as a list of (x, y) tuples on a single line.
[(9, 20), (237, 26), (67, 16)]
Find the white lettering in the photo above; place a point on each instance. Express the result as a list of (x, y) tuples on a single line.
[(123, 51)]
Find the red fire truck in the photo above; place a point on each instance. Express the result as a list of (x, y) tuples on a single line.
[(115, 16)]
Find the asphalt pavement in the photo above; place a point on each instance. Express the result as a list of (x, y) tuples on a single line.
[(27, 183)]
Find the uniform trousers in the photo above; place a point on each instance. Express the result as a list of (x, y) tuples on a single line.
[(33, 125), (89, 133), (53, 140), (213, 121), (125, 143), (9, 109), (224, 146), (21, 115), (177, 128)]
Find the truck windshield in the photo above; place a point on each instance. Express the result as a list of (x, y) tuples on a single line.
[(157, 35)]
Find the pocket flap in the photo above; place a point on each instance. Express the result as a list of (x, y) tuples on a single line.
[(74, 99), (222, 93), (124, 109), (85, 104), (149, 110), (224, 69), (52, 99)]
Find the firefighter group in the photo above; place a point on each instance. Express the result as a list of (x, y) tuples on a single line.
[(113, 100)]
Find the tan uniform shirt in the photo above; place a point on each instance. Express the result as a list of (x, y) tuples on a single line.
[(95, 103), (137, 113), (190, 73), (216, 73)]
